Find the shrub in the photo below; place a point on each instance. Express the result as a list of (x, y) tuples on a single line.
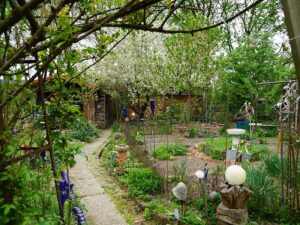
[(84, 131), (142, 181), (164, 152)]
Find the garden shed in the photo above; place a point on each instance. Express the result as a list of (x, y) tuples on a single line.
[(93, 103)]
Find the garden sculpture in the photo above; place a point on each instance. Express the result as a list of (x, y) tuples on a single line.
[(233, 208), (180, 192)]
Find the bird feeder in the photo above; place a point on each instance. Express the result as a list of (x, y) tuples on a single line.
[(231, 154)]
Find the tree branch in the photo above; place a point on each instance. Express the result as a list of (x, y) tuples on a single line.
[(17, 14), (32, 41), (190, 31)]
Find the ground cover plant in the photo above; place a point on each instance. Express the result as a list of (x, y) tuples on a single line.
[(166, 152), (142, 181)]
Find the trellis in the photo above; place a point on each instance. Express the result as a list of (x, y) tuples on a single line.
[(288, 112)]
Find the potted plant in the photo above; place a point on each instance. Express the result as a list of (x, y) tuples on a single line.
[(122, 153)]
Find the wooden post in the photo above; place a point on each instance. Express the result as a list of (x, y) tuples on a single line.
[(291, 9)]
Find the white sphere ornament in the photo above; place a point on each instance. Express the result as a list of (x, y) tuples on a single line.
[(200, 174), (180, 191), (235, 175)]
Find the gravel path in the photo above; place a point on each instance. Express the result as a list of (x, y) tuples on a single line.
[(89, 188)]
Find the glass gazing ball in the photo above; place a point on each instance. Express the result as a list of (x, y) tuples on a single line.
[(200, 174), (235, 175), (213, 196)]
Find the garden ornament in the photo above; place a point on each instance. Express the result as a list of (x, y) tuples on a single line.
[(152, 106), (235, 133), (234, 198), (205, 173), (213, 196), (180, 191), (235, 175), (133, 115), (200, 174)]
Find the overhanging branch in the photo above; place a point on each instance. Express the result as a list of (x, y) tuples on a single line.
[(188, 31)]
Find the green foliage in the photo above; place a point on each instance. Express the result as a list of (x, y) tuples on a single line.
[(138, 136), (265, 204), (115, 128), (180, 171), (141, 181), (216, 148), (62, 114), (162, 128), (112, 160), (34, 201), (165, 152), (199, 203), (193, 131), (84, 131), (152, 208), (272, 165), (264, 190), (192, 219), (179, 112), (246, 66), (110, 153), (272, 132)]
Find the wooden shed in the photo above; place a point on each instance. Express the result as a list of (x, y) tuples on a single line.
[(94, 104)]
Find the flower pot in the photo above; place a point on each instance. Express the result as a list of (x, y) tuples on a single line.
[(122, 153), (121, 157)]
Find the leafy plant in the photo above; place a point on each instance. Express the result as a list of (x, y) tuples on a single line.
[(193, 131), (164, 152), (112, 160), (264, 189), (153, 207), (84, 131), (272, 165), (215, 148), (138, 137), (199, 203), (141, 181), (192, 219), (115, 128), (180, 171)]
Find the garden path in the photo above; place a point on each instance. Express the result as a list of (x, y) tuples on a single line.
[(89, 188)]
